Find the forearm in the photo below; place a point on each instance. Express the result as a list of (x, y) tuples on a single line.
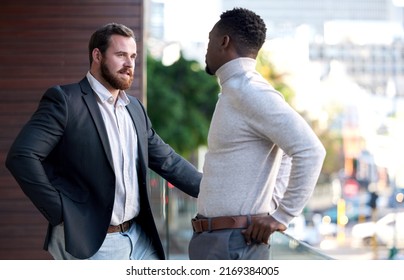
[(31, 177), (179, 172), (304, 173)]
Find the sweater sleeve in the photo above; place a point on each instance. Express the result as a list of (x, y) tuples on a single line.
[(272, 118)]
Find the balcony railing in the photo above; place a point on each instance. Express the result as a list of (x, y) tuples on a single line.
[(285, 247), (173, 211)]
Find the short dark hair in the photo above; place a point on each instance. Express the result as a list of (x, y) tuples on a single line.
[(100, 38), (245, 27)]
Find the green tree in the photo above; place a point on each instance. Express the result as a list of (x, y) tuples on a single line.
[(180, 102)]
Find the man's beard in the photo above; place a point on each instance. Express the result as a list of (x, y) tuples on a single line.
[(207, 70), (113, 80)]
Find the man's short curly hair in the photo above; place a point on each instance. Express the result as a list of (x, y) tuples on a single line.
[(245, 27)]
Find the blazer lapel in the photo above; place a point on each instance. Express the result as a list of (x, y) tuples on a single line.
[(91, 102), (141, 131)]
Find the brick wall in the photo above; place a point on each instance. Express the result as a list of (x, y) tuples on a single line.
[(44, 43)]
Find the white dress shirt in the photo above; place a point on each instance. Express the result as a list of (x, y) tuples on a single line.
[(124, 147)]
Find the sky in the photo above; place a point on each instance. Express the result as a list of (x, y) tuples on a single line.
[(182, 24)]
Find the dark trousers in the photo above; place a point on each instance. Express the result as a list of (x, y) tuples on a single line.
[(226, 244)]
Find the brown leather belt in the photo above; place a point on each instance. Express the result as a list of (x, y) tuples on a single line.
[(120, 228), (225, 222)]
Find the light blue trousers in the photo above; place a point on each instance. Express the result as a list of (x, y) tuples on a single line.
[(130, 245)]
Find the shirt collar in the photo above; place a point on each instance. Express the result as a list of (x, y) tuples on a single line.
[(234, 67), (103, 94)]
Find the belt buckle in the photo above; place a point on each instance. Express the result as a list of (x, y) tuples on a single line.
[(197, 225)]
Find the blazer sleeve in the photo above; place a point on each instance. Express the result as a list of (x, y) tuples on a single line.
[(162, 159), (36, 140), (172, 167)]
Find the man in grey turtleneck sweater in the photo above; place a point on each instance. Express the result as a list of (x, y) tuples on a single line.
[(263, 159)]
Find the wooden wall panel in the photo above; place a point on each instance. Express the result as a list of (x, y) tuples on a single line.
[(44, 43)]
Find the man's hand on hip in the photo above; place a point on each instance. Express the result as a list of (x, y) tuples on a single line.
[(261, 228)]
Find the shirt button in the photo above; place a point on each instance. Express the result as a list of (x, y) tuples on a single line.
[(111, 100)]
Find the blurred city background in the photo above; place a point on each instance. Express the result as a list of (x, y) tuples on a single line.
[(340, 64)]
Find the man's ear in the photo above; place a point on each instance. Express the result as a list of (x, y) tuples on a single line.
[(96, 55), (225, 41)]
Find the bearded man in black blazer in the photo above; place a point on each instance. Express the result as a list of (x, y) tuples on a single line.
[(84, 155)]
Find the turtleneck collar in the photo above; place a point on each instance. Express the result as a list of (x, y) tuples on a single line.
[(235, 66)]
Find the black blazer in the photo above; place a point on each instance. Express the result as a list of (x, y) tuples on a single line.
[(62, 161)]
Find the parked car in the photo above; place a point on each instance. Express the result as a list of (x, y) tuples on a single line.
[(387, 231), (303, 231)]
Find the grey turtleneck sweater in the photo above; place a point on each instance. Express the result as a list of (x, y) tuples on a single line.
[(262, 155)]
